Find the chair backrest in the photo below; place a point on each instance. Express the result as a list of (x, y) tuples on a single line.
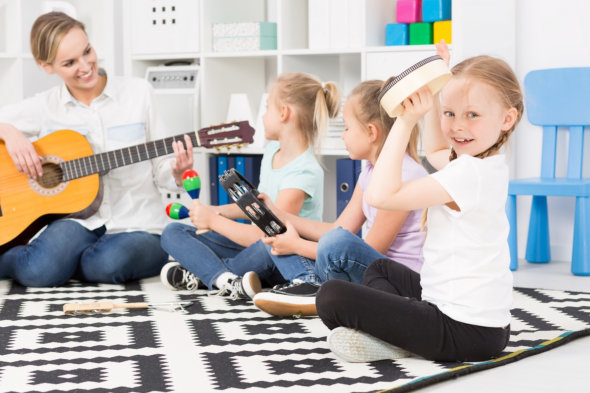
[(559, 97)]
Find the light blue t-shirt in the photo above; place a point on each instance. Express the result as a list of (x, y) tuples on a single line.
[(303, 173)]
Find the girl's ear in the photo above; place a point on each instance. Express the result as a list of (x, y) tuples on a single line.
[(509, 119), (373, 132), (285, 112)]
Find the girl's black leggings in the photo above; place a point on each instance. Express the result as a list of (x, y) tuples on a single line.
[(388, 305)]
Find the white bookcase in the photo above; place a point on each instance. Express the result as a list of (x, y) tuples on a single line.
[(479, 26)]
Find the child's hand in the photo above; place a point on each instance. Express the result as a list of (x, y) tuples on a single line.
[(201, 215), (442, 49), (416, 105), (285, 243)]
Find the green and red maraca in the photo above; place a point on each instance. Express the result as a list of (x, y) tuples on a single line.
[(191, 183)]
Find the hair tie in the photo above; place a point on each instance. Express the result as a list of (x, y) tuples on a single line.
[(324, 88)]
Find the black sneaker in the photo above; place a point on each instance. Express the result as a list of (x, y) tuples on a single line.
[(176, 277), (296, 299), (242, 287)]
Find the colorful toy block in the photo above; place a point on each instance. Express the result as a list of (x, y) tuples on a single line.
[(408, 11), (420, 33), (435, 10), (396, 34), (442, 29)]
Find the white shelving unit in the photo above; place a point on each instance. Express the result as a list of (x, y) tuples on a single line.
[(479, 26)]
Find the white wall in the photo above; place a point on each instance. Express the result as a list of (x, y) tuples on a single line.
[(549, 34)]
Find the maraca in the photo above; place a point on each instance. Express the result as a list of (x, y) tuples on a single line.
[(192, 184), (177, 211)]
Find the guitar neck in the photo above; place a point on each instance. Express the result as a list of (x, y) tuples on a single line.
[(104, 162)]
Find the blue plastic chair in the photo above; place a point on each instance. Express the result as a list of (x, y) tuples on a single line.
[(555, 98)]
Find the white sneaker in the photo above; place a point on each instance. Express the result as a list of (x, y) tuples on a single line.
[(358, 347), (242, 287)]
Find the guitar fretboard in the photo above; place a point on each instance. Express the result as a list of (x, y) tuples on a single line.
[(103, 162)]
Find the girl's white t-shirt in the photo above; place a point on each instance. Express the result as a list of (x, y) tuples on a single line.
[(466, 270)]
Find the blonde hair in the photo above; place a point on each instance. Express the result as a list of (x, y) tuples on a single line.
[(372, 112), (47, 33), (497, 74), (315, 101)]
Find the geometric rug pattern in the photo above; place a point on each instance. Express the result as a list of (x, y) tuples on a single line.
[(222, 345)]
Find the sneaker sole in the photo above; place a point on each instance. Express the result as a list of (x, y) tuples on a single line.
[(284, 309), (358, 347), (254, 282)]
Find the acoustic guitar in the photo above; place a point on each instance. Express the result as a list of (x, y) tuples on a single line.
[(70, 183)]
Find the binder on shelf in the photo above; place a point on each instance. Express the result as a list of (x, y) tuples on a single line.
[(252, 171), (213, 180), (345, 183), (347, 174), (222, 166)]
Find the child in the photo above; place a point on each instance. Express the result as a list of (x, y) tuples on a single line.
[(340, 253), (298, 108), (458, 308), (119, 241)]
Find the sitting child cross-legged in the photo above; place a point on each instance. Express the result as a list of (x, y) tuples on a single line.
[(231, 257), (458, 307), (341, 254)]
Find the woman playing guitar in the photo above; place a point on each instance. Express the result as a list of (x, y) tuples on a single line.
[(120, 241)]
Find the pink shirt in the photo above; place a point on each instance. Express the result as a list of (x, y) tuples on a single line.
[(407, 246)]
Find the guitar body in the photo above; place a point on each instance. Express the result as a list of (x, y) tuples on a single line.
[(26, 205)]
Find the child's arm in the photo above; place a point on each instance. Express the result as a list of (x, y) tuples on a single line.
[(352, 217), (309, 229), (385, 229), (291, 243), (436, 146), (386, 189), (207, 217)]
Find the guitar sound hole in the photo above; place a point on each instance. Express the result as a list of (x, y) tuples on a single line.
[(52, 175)]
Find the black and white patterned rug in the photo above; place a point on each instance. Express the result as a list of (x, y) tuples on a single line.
[(223, 345)]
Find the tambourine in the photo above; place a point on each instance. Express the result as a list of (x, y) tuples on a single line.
[(431, 71)]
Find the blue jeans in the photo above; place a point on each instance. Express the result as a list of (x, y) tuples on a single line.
[(210, 254), (294, 266), (343, 255), (65, 249)]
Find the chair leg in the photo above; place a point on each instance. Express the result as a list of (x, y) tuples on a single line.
[(537, 248), (580, 252), (513, 234)]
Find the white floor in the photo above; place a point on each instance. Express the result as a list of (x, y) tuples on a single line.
[(564, 369)]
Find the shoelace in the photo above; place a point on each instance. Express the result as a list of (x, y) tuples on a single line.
[(288, 284), (233, 289), (190, 280), (236, 289)]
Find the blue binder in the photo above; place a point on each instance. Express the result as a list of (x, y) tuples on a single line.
[(222, 166), (345, 182), (240, 165), (252, 169), (213, 180)]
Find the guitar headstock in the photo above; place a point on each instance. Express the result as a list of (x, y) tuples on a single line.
[(226, 135)]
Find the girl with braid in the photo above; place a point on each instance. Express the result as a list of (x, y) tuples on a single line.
[(458, 308)]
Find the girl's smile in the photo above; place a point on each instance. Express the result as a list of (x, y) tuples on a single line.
[(472, 122)]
